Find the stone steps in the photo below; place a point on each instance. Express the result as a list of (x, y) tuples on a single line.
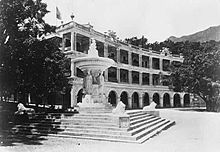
[(95, 126)]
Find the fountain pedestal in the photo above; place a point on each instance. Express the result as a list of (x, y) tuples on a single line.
[(93, 66)]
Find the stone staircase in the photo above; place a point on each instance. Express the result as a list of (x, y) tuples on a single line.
[(93, 126)]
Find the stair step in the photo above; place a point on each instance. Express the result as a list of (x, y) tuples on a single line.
[(140, 120), (149, 130), (143, 123), (139, 117), (155, 132), (145, 126), (114, 136), (99, 131)]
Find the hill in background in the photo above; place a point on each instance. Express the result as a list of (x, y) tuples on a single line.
[(212, 33)]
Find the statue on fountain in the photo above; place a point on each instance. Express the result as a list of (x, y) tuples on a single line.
[(87, 83)]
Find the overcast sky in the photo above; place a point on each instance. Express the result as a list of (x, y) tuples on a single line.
[(155, 19)]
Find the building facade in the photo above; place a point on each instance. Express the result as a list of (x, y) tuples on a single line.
[(136, 77)]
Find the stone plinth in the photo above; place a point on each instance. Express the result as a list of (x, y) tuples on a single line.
[(122, 121), (153, 112)]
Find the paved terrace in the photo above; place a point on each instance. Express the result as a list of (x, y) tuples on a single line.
[(195, 131)]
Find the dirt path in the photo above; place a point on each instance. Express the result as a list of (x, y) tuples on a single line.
[(193, 132)]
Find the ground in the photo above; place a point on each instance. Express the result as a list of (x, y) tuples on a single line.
[(194, 132)]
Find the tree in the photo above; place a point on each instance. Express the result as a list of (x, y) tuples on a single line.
[(140, 42), (29, 63), (199, 72)]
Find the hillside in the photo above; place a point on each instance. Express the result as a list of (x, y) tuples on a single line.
[(212, 33)]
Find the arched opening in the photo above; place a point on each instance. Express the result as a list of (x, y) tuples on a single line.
[(135, 100), (176, 100), (146, 100), (156, 99), (124, 98), (79, 95), (112, 98), (186, 100), (166, 100)]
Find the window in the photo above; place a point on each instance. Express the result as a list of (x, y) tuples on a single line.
[(156, 63), (135, 77), (135, 59), (112, 74), (124, 56), (145, 78), (124, 75)]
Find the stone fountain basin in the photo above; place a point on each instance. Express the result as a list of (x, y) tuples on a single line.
[(93, 63)]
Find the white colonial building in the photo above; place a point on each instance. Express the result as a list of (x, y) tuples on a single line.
[(135, 79)]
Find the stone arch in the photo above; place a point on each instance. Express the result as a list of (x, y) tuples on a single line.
[(79, 95), (146, 99), (186, 100), (112, 98), (124, 98), (177, 102), (135, 100), (156, 99), (166, 100)]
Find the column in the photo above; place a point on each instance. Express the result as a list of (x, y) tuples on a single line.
[(161, 102), (130, 77), (129, 58), (63, 43), (72, 68), (129, 102), (171, 101), (73, 98), (150, 98), (140, 60), (141, 101), (151, 78), (105, 50), (161, 64), (73, 41), (140, 78), (118, 75), (150, 62), (117, 100), (118, 55), (181, 101)]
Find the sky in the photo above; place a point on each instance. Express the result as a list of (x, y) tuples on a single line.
[(155, 19)]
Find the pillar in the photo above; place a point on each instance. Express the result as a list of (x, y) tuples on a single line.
[(140, 60), (118, 55), (151, 78), (161, 64), (130, 77), (161, 102), (117, 100), (129, 58), (72, 68), (129, 102), (105, 50), (181, 101), (141, 101), (171, 101), (150, 62), (118, 75), (73, 98), (140, 78), (73, 41), (106, 55)]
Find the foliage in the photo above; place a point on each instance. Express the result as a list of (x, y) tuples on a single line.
[(200, 69), (142, 42), (29, 63)]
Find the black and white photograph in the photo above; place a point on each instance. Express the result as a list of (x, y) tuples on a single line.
[(109, 75)]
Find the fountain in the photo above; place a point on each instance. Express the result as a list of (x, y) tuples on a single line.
[(93, 82)]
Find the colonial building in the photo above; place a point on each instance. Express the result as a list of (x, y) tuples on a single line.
[(136, 77)]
